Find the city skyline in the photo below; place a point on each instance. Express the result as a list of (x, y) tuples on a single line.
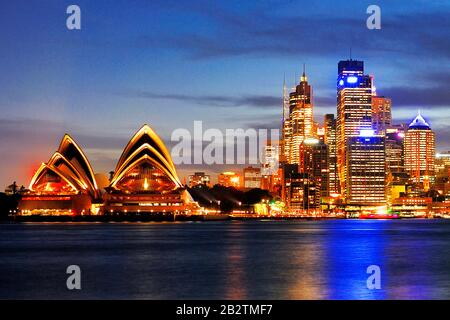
[(83, 83), (224, 158)]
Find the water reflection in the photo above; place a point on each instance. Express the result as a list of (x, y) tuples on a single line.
[(307, 275), (351, 248), (227, 260), (235, 269)]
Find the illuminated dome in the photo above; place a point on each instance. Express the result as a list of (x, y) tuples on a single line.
[(145, 166), (144, 182), (67, 172), (419, 123)]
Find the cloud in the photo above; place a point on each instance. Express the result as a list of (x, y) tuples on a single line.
[(25, 127), (268, 33), (256, 101), (436, 96)]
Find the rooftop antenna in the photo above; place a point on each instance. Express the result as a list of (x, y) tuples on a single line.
[(350, 53), (284, 96), (303, 78)]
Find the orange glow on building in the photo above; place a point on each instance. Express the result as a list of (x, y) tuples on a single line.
[(64, 185), (420, 150), (145, 180), (229, 179)]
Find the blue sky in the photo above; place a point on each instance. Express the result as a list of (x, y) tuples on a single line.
[(168, 63)]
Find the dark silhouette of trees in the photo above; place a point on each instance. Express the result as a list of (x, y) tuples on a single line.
[(8, 203), (227, 198)]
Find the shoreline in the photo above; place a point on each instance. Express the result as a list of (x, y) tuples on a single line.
[(180, 218)]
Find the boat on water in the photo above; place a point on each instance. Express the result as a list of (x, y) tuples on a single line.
[(379, 216), (381, 212)]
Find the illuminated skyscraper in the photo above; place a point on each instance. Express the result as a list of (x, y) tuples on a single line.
[(366, 169), (299, 125), (396, 178), (299, 190), (314, 163), (420, 151), (394, 149), (330, 141), (381, 113), (354, 112), (270, 169), (269, 164), (286, 130)]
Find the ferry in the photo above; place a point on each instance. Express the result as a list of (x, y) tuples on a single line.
[(379, 216)]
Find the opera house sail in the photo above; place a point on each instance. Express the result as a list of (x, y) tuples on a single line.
[(64, 185), (145, 181)]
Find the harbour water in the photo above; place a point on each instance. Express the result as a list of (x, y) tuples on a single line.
[(227, 259)]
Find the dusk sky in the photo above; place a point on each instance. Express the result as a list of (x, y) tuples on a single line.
[(169, 63)]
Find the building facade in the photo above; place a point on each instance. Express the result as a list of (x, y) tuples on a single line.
[(229, 179), (299, 123), (330, 141), (366, 170), (299, 191), (314, 163), (381, 113), (420, 150), (252, 177), (354, 113), (199, 179)]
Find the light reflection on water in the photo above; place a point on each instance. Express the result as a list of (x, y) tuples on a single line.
[(227, 260)]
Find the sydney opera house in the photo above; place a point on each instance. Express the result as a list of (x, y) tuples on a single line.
[(144, 181)]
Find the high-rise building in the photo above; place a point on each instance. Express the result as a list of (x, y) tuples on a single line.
[(314, 162), (299, 190), (396, 178), (199, 178), (270, 168), (298, 125), (366, 172), (286, 130), (381, 113), (269, 165), (442, 164), (394, 149), (330, 141), (420, 151), (252, 177), (354, 112)]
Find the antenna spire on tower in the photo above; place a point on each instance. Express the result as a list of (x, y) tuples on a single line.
[(285, 100), (303, 77), (284, 95)]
